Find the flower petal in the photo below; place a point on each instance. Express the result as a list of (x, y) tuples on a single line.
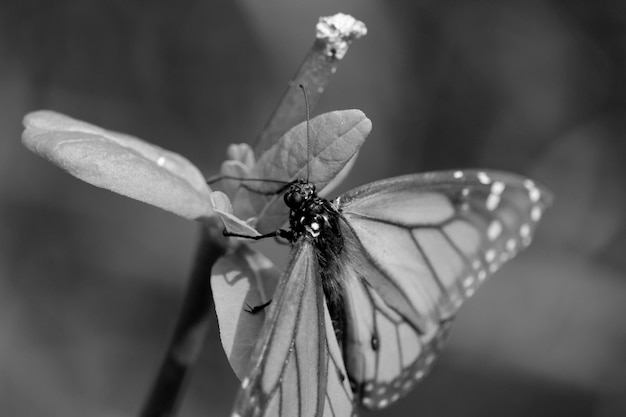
[(241, 152), (120, 163), (335, 138), (234, 169), (243, 278)]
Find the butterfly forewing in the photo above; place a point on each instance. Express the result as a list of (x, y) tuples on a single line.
[(417, 246), (297, 362)]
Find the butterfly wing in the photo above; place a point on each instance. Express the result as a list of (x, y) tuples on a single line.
[(297, 365), (417, 247)]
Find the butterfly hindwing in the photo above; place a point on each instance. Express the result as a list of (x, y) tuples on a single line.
[(297, 366), (417, 246), (386, 356)]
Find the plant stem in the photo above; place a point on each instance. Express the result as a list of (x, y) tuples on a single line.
[(189, 333), (333, 37), (334, 34)]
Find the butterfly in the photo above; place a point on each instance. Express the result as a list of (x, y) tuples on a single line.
[(373, 283)]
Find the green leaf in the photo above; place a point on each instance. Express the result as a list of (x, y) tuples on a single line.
[(335, 138), (240, 279), (119, 163), (224, 209)]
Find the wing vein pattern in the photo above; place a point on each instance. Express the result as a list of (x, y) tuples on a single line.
[(297, 368), (417, 247)]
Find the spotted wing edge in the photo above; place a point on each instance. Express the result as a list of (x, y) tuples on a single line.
[(453, 178), (371, 393)]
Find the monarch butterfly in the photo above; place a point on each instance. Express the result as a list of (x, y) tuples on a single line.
[(373, 283)]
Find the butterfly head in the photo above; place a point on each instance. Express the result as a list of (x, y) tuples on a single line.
[(311, 216), (299, 193)]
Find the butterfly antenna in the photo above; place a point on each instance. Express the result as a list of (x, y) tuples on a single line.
[(308, 131)]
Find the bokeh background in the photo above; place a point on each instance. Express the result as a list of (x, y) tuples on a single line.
[(91, 282)]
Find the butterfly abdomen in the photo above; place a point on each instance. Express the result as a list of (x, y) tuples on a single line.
[(317, 220), (329, 245)]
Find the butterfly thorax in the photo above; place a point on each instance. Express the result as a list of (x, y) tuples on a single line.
[(317, 220)]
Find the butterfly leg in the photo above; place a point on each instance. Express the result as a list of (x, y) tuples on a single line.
[(256, 309), (285, 234)]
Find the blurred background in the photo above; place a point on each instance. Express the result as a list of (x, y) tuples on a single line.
[(91, 282)]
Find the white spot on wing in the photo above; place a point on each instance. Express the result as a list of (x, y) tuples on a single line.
[(497, 187), (490, 255), (458, 174), (245, 382), (494, 230), (524, 230), (535, 213), (430, 359), (493, 200), (467, 282), (483, 178), (161, 161), (511, 244), (534, 195), (533, 192)]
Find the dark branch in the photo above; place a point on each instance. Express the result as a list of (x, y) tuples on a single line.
[(189, 333)]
